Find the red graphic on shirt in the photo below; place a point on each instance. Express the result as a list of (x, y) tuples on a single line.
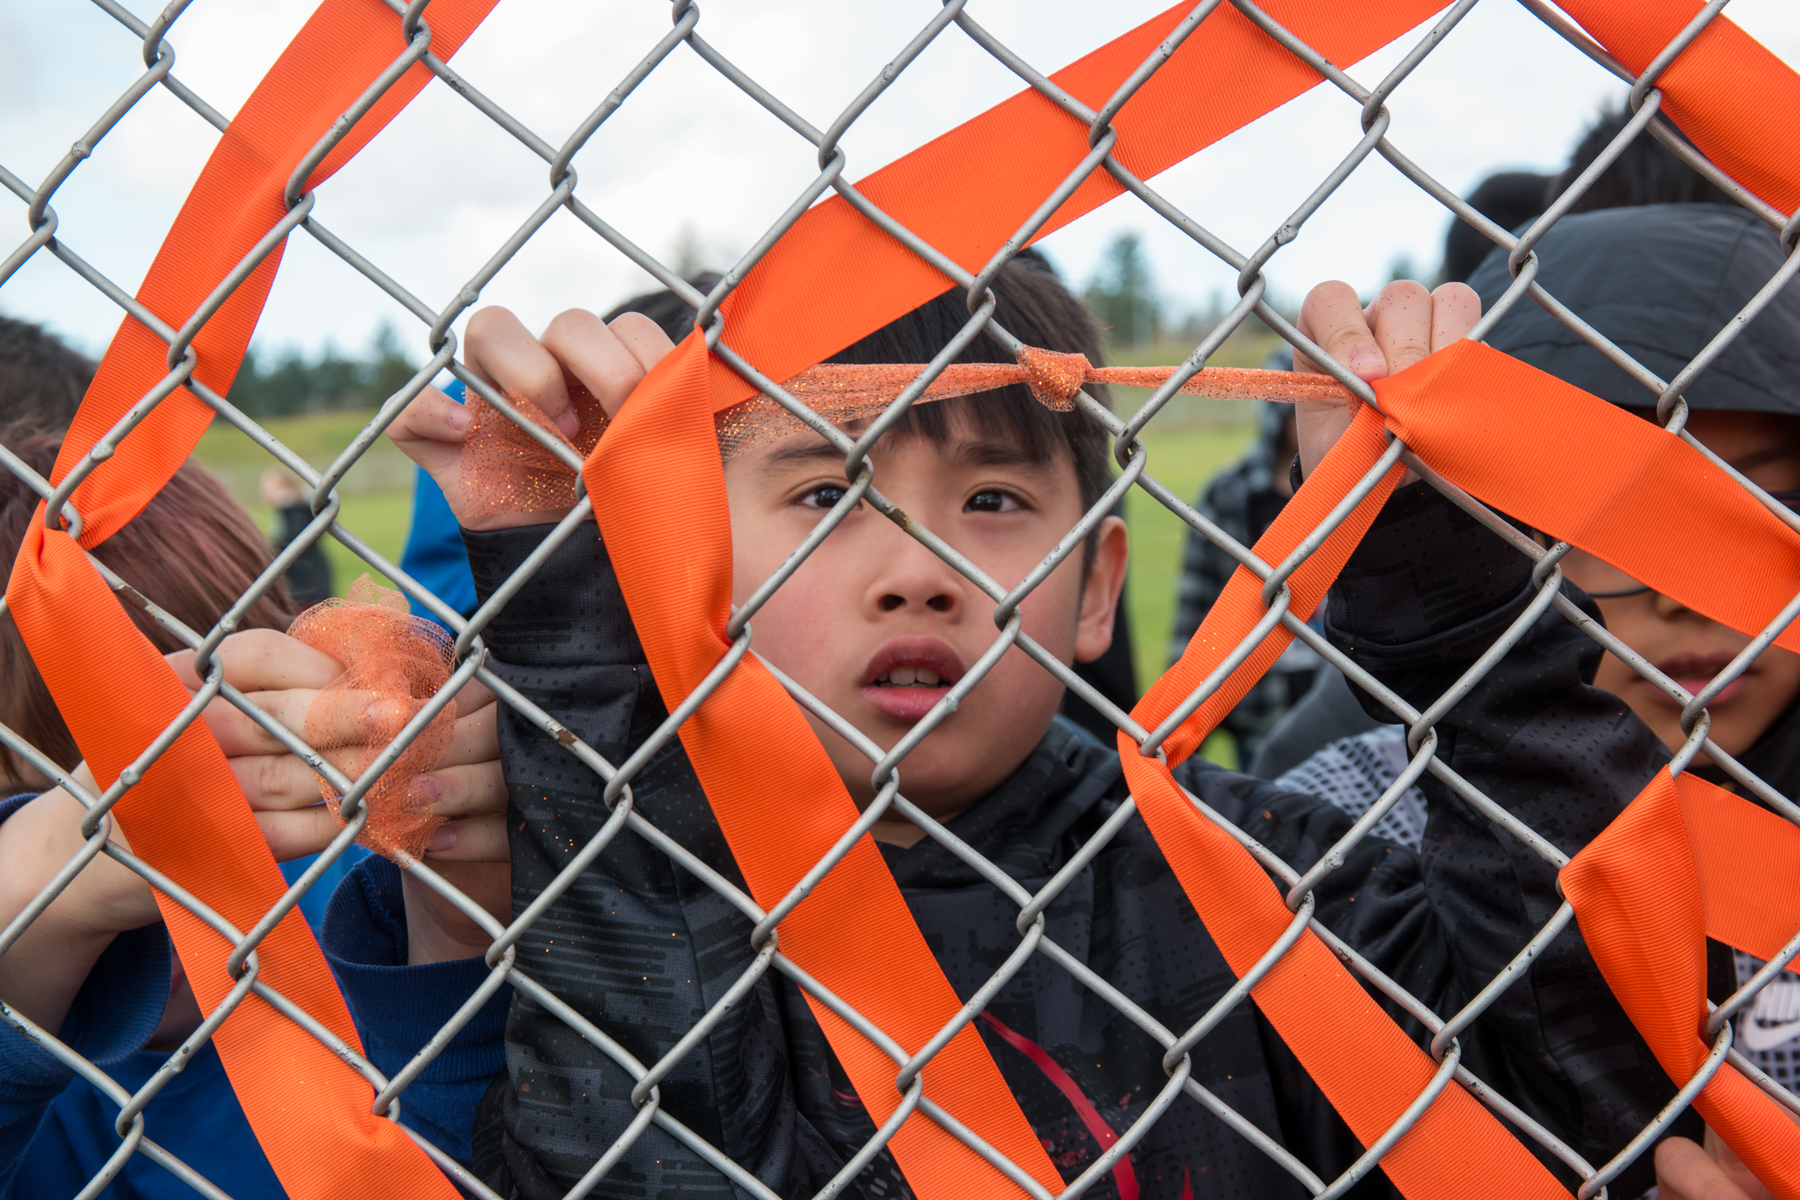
[(1124, 1178)]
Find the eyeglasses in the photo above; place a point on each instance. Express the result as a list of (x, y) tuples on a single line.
[(1602, 581)]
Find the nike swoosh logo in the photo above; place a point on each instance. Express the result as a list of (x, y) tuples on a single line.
[(1755, 1035), (1774, 1017)]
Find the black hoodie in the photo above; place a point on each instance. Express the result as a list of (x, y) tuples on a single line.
[(642, 948)]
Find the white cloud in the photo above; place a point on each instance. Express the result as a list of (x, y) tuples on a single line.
[(437, 192)]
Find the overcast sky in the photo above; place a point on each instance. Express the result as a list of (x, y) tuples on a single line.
[(690, 157)]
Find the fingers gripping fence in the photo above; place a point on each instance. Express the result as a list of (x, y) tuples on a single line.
[(827, 913)]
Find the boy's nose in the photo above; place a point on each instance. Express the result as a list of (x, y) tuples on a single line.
[(1670, 609), (895, 600), (912, 577)]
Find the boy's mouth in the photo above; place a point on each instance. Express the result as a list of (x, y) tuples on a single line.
[(1695, 671), (909, 675)]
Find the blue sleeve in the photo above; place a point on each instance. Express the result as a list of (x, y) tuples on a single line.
[(113, 1016), (397, 1008), (318, 896), (434, 553)]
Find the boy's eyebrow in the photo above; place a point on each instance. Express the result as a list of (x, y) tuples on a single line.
[(987, 452), (805, 453), (974, 452)]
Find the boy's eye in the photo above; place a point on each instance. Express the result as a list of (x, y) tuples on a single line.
[(823, 497), (992, 501)]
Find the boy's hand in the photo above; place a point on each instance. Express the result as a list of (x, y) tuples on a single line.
[(1402, 326), (1684, 1171), (577, 348), (282, 676)]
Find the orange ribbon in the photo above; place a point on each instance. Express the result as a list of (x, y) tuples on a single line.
[(1685, 862), (1456, 1139), (1727, 91)]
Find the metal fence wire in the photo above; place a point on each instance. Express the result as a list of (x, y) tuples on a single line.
[(436, 315)]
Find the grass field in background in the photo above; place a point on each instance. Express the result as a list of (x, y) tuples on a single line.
[(376, 494), (378, 518), (1182, 458), (318, 438), (1187, 444)]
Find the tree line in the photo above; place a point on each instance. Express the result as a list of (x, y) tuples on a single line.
[(293, 383), (1122, 295)]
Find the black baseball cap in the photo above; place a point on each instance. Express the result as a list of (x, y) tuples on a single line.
[(1659, 281)]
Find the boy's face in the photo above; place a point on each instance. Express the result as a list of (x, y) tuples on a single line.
[(878, 627), (1691, 648)]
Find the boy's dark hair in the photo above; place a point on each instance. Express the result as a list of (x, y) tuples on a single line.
[(1508, 199), (674, 315), (1032, 304), (193, 551), (1647, 172), (42, 381), (1035, 307)]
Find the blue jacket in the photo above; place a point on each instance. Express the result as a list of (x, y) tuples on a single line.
[(434, 553), (56, 1129)]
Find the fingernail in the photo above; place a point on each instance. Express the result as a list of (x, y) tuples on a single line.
[(424, 792), (1366, 363), (443, 839), (458, 418), (386, 711), (569, 423)]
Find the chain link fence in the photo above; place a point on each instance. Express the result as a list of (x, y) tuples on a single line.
[(437, 315)]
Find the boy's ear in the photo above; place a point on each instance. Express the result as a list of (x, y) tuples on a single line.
[(1100, 592)]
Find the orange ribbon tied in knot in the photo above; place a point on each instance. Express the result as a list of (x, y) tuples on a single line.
[(1053, 377), (507, 470)]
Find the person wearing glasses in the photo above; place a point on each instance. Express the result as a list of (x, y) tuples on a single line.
[(1662, 308), (1660, 282)]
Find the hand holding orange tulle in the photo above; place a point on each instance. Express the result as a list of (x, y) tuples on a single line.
[(569, 380), (460, 790)]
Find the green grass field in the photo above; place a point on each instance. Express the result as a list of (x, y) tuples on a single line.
[(377, 493), (1182, 458), (1187, 443), (317, 438)]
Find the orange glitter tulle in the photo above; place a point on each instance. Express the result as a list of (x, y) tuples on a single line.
[(504, 470), (393, 663)]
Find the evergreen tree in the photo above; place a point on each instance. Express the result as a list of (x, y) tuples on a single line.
[(295, 383), (1122, 296)]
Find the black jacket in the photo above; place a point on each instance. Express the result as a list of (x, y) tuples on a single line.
[(641, 947)]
